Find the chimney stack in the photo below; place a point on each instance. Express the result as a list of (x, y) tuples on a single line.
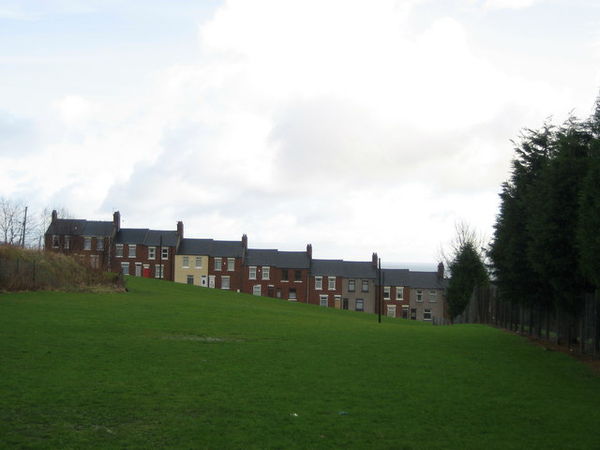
[(180, 229), (309, 251), (245, 242), (117, 221), (54, 215), (440, 271), (374, 260)]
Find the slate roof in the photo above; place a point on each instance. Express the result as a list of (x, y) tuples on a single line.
[(331, 267), (210, 247), (80, 227), (396, 277), (427, 280), (144, 236), (276, 258), (359, 269)]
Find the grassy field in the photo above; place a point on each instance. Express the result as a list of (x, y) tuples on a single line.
[(178, 366)]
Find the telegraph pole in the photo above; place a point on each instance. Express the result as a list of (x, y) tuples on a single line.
[(379, 294), (24, 226)]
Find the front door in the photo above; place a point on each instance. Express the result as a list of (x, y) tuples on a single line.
[(138, 269), (203, 280), (146, 272), (391, 310), (211, 281)]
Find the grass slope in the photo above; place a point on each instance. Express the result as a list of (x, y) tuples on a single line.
[(169, 365)]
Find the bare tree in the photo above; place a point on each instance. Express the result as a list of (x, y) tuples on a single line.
[(11, 221)]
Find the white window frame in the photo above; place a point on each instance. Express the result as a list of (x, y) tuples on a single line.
[(252, 272), (159, 271), (324, 300), (362, 305), (257, 289), (387, 291), (266, 272), (351, 285), (419, 295), (118, 250), (186, 262), (291, 297), (125, 268), (218, 262), (331, 283), (165, 253), (400, 293), (391, 308), (151, 252), (318, 283), (198, 262), (230, 264), (87, 243), (363, 284), (226, 282), (432, 296), (131, 251)]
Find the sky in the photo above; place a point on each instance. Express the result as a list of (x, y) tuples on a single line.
[(356, 126)]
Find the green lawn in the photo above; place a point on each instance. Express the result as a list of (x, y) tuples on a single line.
[(177, 366)]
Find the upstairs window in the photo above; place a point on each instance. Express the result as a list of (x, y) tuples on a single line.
[(230, 264), (386, 292), (351, 285), (433, 296), (399, 293), (318, 283), (252, 273), (218, 262), (119, 250), (165, 253), (198, 262), (100, 244), (186, 262), (266, 272), (132, 250), (284, 275), (331, 283), (419, 295), (87, 243), (151, 252), (365, 286), (298, 275)]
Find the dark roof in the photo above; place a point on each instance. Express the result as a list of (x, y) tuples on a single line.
[(396, 277), (275, 258), (427, 280), (359, 269), (331, 267), (210, 247), (81, 227), (144, 236)]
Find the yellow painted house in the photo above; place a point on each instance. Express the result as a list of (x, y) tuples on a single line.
[(191, 262)]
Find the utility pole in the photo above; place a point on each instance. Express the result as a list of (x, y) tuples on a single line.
[(24, 227), (378, 292)]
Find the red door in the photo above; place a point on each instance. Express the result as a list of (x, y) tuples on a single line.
[(146, 272)]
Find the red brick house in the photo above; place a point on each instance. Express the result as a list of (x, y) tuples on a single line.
[(88, 240), (325, 287), (226, 264), (396, 292), (278, 274)]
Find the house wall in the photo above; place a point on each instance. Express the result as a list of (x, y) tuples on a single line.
[(400, 305), (368, 297), (182, 272), (235, 276), (429, 301), (276, 287), (315, 294), (141, 257), (76, 248)]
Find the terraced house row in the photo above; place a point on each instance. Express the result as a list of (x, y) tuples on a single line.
[(290, 275)]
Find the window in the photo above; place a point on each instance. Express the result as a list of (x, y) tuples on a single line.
[(87, 243), (218, 262), (158, 271), (386, 292), (100, 244), (190, 279), (67, 242), (298, 275), (119, 250), (351, 285), (186, 262), (284, 275), (365, 286), (419, 295), (256, 289), (55, 241), (405, 311), (230, 264), (266, 272), (292, 294), (433, 296), (324, 300), (427, 314), (252, 273), (151, 252), (360, 304), (319, 283), (331, 283), (198, 262), (225, 283), (413, 313), (399, 293), (391, 310), (165, 253), (345, 303), (125, 268), (132, 250), (94, 261)]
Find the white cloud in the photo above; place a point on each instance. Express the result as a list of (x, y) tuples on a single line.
[(510, 4)]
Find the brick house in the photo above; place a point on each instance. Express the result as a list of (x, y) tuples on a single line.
[(396, 292), (88, 240), (428, 295), (325, 285), (278, 274), (148, 253), (226, 264)]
